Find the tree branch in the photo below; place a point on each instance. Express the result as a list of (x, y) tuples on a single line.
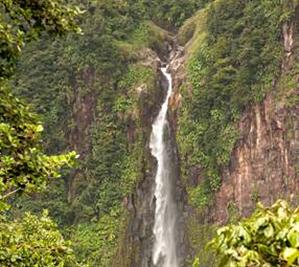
[(10, 193)]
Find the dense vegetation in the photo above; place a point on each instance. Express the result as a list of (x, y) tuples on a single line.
[(31, 240), (84, 88), (232, 65), (95, 90), (24, 166), (172, 13), (268, 238), (34, 241)]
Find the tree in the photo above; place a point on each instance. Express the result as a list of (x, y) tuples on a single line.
[(23, 165), (22, 21), (33, 241), (270, 237)]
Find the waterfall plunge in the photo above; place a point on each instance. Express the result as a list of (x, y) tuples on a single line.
[(164, 250)]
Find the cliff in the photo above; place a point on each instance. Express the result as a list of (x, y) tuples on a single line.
[(233, 128), (99, 95), (264, 163), (259, 156)]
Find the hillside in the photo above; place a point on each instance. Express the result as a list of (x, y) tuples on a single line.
[(230, 132)]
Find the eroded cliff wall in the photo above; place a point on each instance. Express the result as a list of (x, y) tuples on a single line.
[(257, 151), (264, 163)]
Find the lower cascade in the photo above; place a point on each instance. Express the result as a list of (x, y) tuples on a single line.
[(164, 249)]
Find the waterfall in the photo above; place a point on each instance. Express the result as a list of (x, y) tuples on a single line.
[(164, 249)]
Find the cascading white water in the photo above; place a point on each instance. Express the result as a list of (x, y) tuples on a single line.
[(164, 250)]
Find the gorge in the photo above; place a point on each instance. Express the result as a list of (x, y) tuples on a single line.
[(168, 152)]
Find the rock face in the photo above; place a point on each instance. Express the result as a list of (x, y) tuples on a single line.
[(138, 242), (177, 68), (264, 164), (82, 110), (136, 246)]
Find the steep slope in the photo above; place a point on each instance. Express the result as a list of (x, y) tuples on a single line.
[(233, 115), (236, 111), (264, 162), (99, 94)]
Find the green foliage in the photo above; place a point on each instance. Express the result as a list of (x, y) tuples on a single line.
[(198, 197), (268, 238), (145, 35), (132, 169), (233, 212), (113, 167), (34, 241), (30, 241), (136, 76), (199, 235), (193, 33), (72, 68), (186, 32), (96, 243), (234, 66), (115, 162), (286, 93), (94, 65), (171, 13), (23, 165), (23, 21), (55, 200), (44, 83), (95, 75)]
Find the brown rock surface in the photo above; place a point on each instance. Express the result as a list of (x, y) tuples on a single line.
[(263, 165)]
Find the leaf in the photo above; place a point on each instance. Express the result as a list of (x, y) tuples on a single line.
[(196, 263), (269, 231), (39, 128), (290, 255), (293, 237)]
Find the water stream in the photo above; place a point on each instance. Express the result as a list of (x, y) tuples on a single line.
[(164, 249)]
